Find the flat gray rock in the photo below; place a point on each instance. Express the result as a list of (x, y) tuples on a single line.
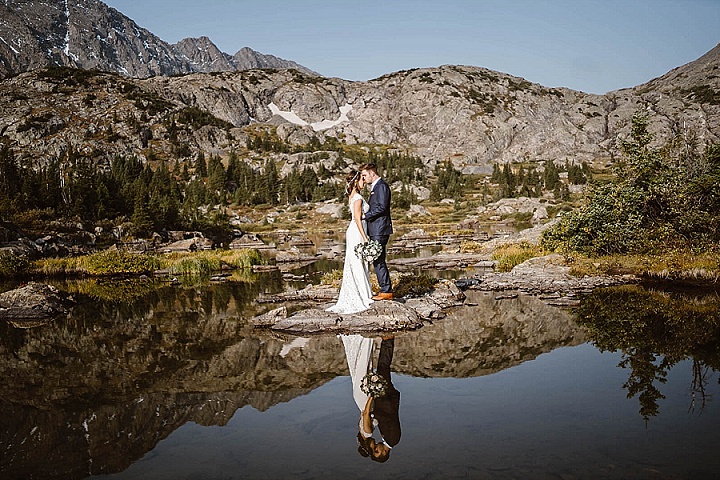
[(381, 316)]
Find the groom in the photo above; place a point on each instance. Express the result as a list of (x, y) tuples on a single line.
[(379, 225)]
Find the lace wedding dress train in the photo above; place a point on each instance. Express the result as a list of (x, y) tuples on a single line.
[(355, 291)]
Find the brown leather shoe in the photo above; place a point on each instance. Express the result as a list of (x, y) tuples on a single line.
[(383, 296)]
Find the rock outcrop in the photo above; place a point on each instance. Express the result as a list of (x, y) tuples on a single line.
[(406, 314), (547, 277)]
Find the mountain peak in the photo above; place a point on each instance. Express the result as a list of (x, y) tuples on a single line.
[(89, 34)]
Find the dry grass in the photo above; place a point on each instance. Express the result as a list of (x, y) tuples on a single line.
[(671, 265), (509, 255)]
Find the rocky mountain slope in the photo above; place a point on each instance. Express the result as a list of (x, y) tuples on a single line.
[(90, 35), (471, 115)]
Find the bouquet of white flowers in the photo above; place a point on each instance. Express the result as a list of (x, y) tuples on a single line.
[(373, 385), (368, 251)]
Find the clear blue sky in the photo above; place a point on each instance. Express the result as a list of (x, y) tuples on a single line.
[(589, 45)]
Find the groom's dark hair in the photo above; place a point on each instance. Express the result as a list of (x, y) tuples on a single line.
[(369, 166), (382, 458)]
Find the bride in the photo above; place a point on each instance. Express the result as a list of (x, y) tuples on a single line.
[(355, 292)]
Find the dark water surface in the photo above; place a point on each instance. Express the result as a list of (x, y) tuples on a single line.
[(170, 382)]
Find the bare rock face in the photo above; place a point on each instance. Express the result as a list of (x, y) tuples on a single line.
[(32, 304), (472, 116), (90, 35)]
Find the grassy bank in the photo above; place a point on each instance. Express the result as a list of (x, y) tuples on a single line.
[(120, 262), (679, 265)]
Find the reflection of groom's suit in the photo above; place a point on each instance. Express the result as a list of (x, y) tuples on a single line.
[(386, 409), (379, 228)]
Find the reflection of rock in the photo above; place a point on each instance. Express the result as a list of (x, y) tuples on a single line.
[(312, 293), (485, 336), (32, 305), (96, 392)]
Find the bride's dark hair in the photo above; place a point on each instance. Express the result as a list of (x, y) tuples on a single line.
[(351, 181), (363, 449)]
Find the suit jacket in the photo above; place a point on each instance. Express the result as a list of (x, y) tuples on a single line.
[(386, 408), (378, 214)]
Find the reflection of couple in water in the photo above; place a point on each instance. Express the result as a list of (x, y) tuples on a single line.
[(381, 412)]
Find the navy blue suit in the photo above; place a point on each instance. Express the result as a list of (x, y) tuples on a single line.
[(387, 407), (379, 228)]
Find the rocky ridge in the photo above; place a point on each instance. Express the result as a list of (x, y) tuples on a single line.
[(473, 116), (469, 115), (89, 34)]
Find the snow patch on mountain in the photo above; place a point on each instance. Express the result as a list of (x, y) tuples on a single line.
[(293, 118)]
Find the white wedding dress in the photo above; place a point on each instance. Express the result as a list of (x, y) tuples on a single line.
[(355, 291), (358, 352)]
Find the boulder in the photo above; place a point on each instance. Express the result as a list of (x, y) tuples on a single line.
[(331, 208), (418, 210)]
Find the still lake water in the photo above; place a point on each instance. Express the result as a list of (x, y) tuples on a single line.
[(170, 382)]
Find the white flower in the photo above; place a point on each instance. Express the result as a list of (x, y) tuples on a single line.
[(369, 251), (373, 385)]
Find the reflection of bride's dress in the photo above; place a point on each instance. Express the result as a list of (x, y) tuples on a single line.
[(355, 292), (358, 351)]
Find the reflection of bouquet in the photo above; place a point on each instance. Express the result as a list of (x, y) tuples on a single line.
[(373, 385), (368, 251)]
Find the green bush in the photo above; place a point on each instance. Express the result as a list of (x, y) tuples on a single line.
[(414, 285), (661, 198), (12, 264)]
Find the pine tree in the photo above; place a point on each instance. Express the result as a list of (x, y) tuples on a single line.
[(551, 176), (9, 177), (270, 183), (201, 166), (216, 178)]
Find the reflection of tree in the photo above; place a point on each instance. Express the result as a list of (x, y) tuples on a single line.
[(643, 373), (654, 331), (700, 379)]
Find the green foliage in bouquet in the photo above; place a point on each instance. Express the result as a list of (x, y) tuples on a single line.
[(368, 251)]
